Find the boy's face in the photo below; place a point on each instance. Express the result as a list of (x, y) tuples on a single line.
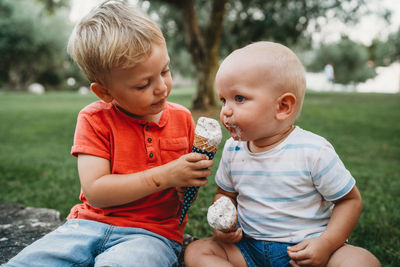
[(249, 101), (143, 89)]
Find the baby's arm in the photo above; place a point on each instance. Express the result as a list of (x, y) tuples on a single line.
[(103, 189), (231, 237), (345, 215)]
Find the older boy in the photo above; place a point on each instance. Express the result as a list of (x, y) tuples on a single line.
[(296, 201), (132, 149)]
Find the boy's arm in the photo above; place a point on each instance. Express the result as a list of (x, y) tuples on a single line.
[(103, 189), (231, 237), (345, 215)]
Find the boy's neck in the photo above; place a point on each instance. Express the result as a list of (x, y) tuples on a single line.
[(151, 118), (264, 145)]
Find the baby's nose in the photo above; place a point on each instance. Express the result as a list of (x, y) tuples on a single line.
[(227, 110)]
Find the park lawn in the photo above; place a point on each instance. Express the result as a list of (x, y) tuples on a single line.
[(37, 170)]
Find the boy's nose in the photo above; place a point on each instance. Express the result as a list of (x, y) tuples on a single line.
[(161, 87)]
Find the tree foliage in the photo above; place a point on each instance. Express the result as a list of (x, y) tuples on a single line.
[(350, 61), (32, 44), (204, 25), (386, 52)]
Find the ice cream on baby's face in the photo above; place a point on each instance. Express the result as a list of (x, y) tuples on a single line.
[(209, 129)]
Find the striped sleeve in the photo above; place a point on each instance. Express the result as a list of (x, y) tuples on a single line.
[(330, 176), (223, 177)]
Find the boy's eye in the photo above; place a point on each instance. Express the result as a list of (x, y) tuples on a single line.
[(239, 98), (165, 71), (143, 86)]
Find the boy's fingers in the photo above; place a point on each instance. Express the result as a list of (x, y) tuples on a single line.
[(194, 157), (200, 182)]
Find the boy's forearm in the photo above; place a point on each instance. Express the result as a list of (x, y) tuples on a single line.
[(344, 218), (119, 189)]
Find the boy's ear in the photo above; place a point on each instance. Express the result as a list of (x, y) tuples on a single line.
[(286, 106), (101, 91)]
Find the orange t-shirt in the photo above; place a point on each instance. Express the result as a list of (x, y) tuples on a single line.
[(131, 145)]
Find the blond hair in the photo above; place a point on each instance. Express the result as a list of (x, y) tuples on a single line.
[(112, 35)]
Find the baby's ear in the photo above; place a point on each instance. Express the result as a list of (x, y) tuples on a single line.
[(286, 106), (101, 91)]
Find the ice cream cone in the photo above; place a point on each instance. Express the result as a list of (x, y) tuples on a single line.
[(208, 135)]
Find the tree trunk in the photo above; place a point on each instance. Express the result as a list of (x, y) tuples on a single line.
[(204, 49)]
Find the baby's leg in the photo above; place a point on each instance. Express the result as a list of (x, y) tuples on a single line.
[(350, 256), (210, 252)]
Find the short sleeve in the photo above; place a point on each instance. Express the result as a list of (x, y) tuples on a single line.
[(330, 176), (90, 138), (223, 177)]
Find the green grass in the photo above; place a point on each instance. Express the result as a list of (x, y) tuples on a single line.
[(37, 170)]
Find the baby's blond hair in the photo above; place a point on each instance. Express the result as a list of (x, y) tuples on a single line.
[(112, 35)]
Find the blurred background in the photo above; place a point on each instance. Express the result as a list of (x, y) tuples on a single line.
[(350, 49), (358, 38)]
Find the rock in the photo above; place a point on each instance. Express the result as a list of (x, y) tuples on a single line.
[(20, 226)]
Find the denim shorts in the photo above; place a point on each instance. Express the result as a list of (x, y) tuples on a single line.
[(89, 243), (264, 253)]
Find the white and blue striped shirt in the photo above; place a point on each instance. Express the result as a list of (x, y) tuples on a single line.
[(284, 194)]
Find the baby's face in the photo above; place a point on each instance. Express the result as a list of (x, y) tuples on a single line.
[(249, 102), (143, 89)]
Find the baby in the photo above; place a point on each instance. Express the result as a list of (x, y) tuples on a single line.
[(297, 203)]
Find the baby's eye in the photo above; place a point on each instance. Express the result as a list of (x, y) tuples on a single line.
[(223, 101), (239, 98)]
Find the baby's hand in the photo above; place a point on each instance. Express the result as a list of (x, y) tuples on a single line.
[(231, 237), (187, 170), (310, 252)]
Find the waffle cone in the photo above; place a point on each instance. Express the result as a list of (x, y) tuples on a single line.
[(232, 228), (203, 144)]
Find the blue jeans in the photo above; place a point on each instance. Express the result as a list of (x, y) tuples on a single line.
[(89, 243), (264, 253)]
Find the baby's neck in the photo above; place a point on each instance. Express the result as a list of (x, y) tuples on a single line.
[(258, 146)]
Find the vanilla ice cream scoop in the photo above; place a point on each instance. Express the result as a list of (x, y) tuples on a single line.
[(208, 134), (222, 215)]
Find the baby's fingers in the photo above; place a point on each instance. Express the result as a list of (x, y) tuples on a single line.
[(299, 257), (298, 247)]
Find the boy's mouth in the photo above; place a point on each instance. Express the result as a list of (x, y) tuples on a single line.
[(159, 103)]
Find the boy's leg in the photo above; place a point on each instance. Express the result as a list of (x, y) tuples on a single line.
[(131, 247), (209, 252), (349, 255), (71, 243)]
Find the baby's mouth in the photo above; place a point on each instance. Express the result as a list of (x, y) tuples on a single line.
[(234, 130)]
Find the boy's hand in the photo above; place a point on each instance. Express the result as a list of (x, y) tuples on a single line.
[(231, 237), (187, 170), (310, 252)]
